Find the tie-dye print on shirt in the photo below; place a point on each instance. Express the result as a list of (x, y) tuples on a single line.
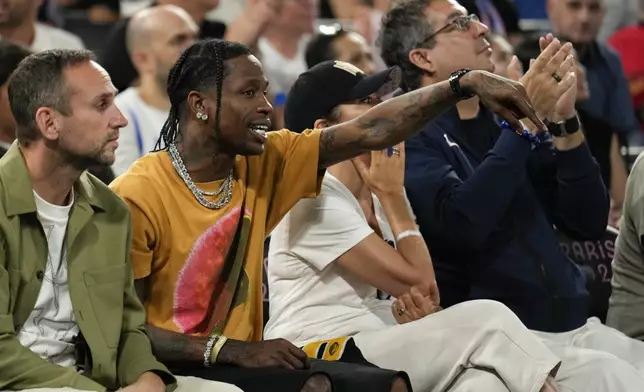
[(180, 247), (201, 299)]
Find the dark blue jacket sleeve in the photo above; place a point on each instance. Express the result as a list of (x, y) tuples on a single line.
[(581, 204), (464, 212)]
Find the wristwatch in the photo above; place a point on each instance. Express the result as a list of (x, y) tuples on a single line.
[(454, 83), (564, 128)]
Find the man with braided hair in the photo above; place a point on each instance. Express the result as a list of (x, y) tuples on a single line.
[(203, 204), (69, 313)]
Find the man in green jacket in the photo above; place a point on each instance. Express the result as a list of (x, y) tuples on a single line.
[(69, 314)]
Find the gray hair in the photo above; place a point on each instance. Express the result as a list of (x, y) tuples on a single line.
[(404, 28)]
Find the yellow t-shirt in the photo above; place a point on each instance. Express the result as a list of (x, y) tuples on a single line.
[(180, 246)]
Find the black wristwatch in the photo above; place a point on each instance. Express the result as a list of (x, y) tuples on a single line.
[(454, 83), (564, 128)]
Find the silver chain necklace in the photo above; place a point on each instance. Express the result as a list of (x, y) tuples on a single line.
[(225, 190)]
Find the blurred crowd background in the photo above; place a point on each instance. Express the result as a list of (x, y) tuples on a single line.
[(138, 49)]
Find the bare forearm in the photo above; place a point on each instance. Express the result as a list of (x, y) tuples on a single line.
[(246, 30), (188, 351), (412, 248), (387, 124), (174, 347)]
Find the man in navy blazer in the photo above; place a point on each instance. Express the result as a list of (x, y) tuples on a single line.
[(488, 198)]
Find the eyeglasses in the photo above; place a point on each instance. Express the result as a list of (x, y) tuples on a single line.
[(461, 23)]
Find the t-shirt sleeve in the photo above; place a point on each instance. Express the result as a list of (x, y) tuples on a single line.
[(143, 233), (296, 174), (320, 230)]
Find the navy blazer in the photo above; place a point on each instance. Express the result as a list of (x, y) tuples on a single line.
[(487, 204)]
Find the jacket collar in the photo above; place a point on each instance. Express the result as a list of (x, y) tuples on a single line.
[(18, 188)]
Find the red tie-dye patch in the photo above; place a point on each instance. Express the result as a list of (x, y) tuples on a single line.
[(199, 287)]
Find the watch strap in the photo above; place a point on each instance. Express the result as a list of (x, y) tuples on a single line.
[(455, 85), (564, 128)]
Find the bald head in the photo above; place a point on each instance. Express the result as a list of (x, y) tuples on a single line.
[(156, 37), (150, 24)]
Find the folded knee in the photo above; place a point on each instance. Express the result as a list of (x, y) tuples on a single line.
[(493, 311), (317, 383), (399, 385)]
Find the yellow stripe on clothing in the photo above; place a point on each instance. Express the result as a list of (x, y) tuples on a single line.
[(328, 350)]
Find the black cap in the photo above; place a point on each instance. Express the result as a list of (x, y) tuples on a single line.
[(329, 84)]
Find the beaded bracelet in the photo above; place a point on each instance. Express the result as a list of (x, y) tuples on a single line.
[(525, 134)]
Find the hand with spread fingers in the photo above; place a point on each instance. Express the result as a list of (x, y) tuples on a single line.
[(548, 77), (414, 305)]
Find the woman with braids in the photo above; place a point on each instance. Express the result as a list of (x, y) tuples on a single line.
[(203, 204)]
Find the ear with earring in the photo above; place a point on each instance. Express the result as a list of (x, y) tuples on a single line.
[(202, 116)]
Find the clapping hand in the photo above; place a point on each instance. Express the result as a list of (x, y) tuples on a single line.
[(565, 106), (550, 80)]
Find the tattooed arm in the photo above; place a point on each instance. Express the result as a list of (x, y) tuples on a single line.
[(177, 350), (396, 119)]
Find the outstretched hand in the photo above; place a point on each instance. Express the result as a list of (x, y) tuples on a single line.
[(505, 97)]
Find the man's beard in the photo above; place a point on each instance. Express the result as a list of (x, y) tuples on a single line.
[(84, 161)]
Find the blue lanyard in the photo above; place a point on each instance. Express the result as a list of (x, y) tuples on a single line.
[(137, 132)]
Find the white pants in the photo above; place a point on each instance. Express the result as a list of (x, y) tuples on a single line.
[(184, 384), (484, 343), (448, 350), (597, 337)]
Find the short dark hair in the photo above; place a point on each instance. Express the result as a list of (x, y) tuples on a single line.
[(320, 48), (200, 67), (404, 28), (11, 55), (39, 81)]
